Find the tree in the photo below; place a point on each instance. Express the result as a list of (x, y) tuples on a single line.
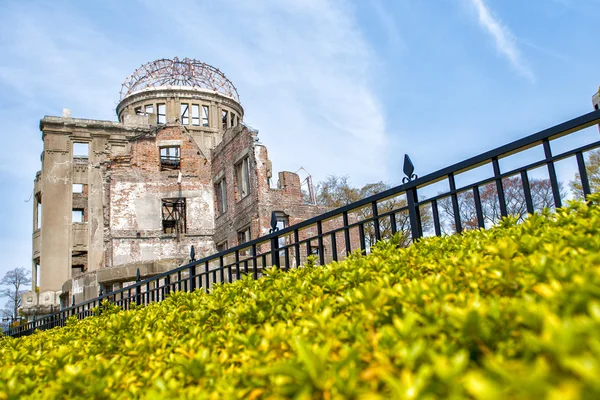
[(592, 169), (15, 279), (337, 192), (516, 204)]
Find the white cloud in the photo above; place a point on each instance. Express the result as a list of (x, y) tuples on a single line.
[(505, 41)]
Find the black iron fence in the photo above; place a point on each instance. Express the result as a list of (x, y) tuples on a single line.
[(406, 210)]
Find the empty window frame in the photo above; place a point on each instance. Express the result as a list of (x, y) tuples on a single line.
[(242, 175), (185, 114), (204, 115), (221, 192), (224, 118), (149, 109), (78, 188), (77, 215), (243, 236), (161, 115), (222, 246), (38, 211), (170, 157), (195, 115), (232, 119), (173, 215), (138, 110), (81, 150)]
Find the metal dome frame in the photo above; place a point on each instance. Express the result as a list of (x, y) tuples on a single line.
[(175, 72)]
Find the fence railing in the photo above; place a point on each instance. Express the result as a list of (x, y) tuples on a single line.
[(405, 210)]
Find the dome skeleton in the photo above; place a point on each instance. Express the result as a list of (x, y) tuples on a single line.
[(175, 72)]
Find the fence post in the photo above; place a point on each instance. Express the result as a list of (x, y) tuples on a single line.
[(412, 199), (138, 288), (274, 241)]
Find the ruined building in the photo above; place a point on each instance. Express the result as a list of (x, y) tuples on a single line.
[(178, 168)]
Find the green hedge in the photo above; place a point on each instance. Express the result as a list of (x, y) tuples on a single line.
[(511, 312)]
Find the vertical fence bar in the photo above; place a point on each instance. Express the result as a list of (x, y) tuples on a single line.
[(527, 191), (361, 235), (192, 277), (413, 213), (237, 265), (221, 267), (287, 257), (499, 187), (436, 218), (552, 174), (254, 262), (320, 243), (346, 233), (206, 277), (583, 176), (393, 225), (334, 246), (274, 251), (478, 208), (455, 206), (376, 221), (297, 247)]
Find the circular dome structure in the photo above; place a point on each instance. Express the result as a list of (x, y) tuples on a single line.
[(175, 72)]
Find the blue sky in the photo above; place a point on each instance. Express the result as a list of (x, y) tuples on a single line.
[(336, 87)]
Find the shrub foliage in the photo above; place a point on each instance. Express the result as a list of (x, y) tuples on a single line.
[(510, 312)]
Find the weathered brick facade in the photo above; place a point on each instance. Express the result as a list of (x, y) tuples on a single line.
[(179, 169)]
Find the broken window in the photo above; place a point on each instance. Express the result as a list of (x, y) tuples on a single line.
[(173, 215), (138, 110), (149, 109), (185, 114), (224, 119), (243, 235), (204, 115), (232, 119), (242, 174), (78, 188), (222, 246), (80, 150), (161, 115), (221, 192), (77, 215), (170, 157), (78, 262), (195, 114)]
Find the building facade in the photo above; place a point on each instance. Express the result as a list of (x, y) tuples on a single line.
[(178, 168)]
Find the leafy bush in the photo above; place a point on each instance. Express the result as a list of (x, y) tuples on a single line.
[(511, 312)]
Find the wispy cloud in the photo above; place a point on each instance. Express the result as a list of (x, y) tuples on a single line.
[(304, 73), (505, 40)]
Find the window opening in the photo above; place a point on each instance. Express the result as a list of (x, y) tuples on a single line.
[(185, 114), (244, 236), (80, 150), (242, 172), (170, 157), (149, 109), (173, 215), (222, 246), (224, 119), (204, 115), (232, 119), (138, 110), (78, 188), (221, 191), (38, 214), (161, 116), (77, 215), (195, 114)]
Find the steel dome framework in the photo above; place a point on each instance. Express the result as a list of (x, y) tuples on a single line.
[(175, 72)]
